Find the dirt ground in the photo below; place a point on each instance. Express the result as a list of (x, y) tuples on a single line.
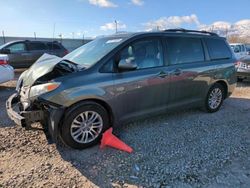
[(189, 148)]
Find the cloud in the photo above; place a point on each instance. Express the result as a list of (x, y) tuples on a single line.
[(242, 27), (103, 3), (221, 25), (137, 2), (170, 22), (112, 25)]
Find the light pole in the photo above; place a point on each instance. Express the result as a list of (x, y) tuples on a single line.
[(54, 29), (115, 26), (3, 37)]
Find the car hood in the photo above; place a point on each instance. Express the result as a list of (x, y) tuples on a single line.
[(43, 68)]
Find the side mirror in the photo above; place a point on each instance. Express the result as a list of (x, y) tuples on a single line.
[(5, 51), (127, 64)]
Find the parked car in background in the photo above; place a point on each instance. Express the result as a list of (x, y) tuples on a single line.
[(23, 54), (120, 78), (243, 69), (6, 71), (248, 49), (239, 50)]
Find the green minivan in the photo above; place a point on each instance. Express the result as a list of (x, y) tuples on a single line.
[(115, 79)]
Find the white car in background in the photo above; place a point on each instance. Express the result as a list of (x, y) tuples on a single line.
[(6, 71), (239, 50)]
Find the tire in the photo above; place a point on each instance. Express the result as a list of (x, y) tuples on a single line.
[(240, 79), (80, 113), (217, 90)]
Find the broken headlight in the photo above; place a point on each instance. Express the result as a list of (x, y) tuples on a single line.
[(43, 88)]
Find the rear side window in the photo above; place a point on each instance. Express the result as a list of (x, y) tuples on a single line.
[(37, 46), (53, 46), (243, 48), (218, 49), (15, 48), (248, 47), (184, 50)]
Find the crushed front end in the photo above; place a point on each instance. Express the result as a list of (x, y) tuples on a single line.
[(25, 112), (26, 106)]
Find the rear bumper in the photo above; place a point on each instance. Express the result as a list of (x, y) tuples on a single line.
[(49, 117), (7, 73), (243, 73)]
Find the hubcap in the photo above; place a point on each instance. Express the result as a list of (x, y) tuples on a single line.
[(215, 98), (86, 127)]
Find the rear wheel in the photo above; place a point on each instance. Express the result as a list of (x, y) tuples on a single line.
[(84, 124), (214, 98)]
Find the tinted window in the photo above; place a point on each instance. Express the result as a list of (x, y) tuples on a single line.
[(145, 53), (185, 50), (236, 48), (37, 46), (53, 46), (18, 47), (218, 49), (248, 47), (243, 48), (108, 67)]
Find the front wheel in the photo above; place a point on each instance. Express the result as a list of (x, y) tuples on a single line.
[(84, 124), (214, 98)]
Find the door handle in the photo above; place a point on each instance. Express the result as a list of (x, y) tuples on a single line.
[(162, 74), (177, 72)]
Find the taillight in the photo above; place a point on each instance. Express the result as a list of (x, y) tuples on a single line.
[(3, 62), (237, 64)]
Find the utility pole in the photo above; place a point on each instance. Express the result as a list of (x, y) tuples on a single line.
[(212, 29), (3, 37), (116, 26), (54, 29), (60, 35), (35, 35), (82, 38), (226, 33)]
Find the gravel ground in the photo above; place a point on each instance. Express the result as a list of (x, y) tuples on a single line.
[(184, 149)]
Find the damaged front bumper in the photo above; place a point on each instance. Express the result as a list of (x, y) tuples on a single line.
[(49, 115)]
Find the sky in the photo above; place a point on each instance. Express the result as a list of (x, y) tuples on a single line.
[(90, 18)]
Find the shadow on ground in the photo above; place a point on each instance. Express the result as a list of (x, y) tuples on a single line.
[(180, 149), (245, 83)]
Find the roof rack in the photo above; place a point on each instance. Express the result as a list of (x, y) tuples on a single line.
[(190, 31)]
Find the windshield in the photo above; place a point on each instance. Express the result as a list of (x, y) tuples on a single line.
[(93, 51)]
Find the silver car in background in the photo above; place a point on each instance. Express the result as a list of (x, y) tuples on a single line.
[(243, 69), (6, 71)]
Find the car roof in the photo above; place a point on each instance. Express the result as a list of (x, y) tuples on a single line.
[(16, 41)]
